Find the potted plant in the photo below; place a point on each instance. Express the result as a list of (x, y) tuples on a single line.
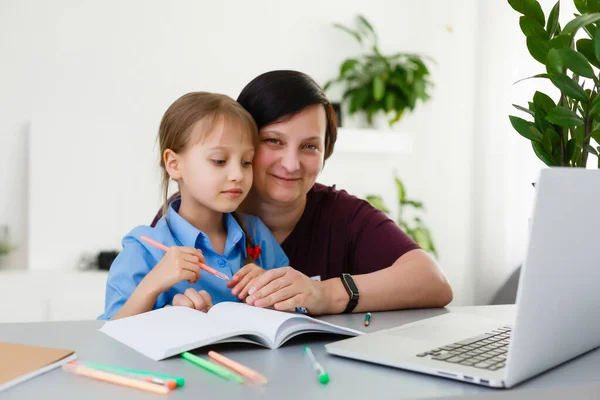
[(563, 131), (375, 83), (415, 227)]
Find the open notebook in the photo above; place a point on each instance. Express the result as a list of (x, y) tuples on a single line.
[(168, 331), (19, 362)]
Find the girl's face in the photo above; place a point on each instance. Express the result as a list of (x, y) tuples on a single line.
[(215, 169), (289, 156)]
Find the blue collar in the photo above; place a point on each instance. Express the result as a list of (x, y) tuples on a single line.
[(188, 235)]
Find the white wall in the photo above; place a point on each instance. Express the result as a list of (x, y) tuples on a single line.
[(97, 76)]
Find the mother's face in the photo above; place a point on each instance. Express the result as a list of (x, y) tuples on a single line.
[(289, 156)]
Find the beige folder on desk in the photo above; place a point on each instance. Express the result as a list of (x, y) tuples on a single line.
[(19, 362)]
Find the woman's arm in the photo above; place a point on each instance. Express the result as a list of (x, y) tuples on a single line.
[(413, 281), (389, 269)]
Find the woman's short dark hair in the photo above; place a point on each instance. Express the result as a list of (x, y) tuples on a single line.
[(278, 94)]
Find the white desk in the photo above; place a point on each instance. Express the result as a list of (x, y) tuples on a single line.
[(290, 375)]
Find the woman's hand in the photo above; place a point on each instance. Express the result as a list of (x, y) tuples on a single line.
[(199, 300), (178, 264), (285, 289), (242, 280)]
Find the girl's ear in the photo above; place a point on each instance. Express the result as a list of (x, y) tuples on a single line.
[(171, 160)]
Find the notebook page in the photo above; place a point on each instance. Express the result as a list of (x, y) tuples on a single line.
[(160, 333), (252, 318)]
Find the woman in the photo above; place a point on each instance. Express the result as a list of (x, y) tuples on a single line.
[(360, 258)]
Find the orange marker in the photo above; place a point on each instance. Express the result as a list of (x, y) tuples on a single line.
[(237, 367), (116, 379), (202, 266)]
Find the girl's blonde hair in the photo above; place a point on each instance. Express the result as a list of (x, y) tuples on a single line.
[(207, 109)]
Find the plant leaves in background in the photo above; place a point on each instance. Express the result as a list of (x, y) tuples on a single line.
[(523, 126), (531, 27), (575, 61), (586, 47), (532, 113), (543, 102), (530, 8), (552, 25), (573, 26), (569, 87), (538, 48), (562, 116), (378, 88), (542, 154)]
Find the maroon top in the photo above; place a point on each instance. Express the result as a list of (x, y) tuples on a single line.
[(339, 233)]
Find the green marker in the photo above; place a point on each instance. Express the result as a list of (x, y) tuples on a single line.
[(367, 319), (323, 376), (212, 367), (120, 370)]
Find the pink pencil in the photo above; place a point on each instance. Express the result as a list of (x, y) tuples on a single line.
[(237, 367), (202, 266)]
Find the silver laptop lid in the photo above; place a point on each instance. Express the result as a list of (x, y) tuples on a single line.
[(558, 300)]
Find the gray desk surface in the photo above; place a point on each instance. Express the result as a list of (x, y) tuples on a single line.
[(290, 375)]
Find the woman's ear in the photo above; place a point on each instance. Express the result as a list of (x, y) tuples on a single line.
[(171, 160)]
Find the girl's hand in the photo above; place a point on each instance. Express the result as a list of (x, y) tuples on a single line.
[(199, 300), (243, 279), (285, 289), (178, 264)]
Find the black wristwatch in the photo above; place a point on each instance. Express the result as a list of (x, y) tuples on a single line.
[(352, 292)]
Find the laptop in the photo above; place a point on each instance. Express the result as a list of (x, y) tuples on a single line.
[(557, 309)]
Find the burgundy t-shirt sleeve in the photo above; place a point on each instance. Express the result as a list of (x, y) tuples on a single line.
[(376, 241)]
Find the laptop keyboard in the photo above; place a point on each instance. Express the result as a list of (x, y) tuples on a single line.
[(487, 351)]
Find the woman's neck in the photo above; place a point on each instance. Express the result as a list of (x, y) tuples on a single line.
[(202, 218), (281, 219)]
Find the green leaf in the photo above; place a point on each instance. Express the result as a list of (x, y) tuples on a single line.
[(593, 6), (562, 116), (597, 43), (586, 47), (348, 65), (551, 140), (356, 35), (532, 113), (583, 20), (596, 135), (554, 63), (358, 99), (581, 5), (378, 203), (531, 27), (578, 134), (542, 101), (369, 27), (401, 190), (595, 106), (390, 101), (569, 87), (538, 48), (378, 88), (542, 154), (572, 148), (575, 61), (414, 203), (530, 8), (592, 150), (533, 77), (552, 24), (523, 128), (560, 42)]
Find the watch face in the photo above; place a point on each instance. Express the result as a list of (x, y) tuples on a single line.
[(350, 284)]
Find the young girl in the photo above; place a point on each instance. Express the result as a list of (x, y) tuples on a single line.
[(207, 144)]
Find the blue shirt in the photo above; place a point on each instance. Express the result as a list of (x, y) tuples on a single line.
[(138, 257)]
